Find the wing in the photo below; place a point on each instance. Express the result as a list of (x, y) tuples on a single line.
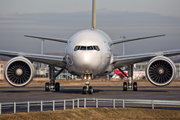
[(47, 59), (133, 39), (125, 60), (47, 38)]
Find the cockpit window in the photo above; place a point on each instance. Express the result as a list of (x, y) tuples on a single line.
[(76, 48), (83, 48), (89, 48), (86, 48), (96, 48)]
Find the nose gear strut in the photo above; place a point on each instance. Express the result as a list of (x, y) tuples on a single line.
[(87, 88)]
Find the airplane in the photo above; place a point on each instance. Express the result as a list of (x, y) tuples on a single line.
[(89, 53)]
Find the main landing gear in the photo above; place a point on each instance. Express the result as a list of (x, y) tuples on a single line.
[(125, 86), (129, 85), (49, 86), (53, 75), (87, 89)]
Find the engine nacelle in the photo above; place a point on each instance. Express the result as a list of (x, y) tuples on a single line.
[(161, 71), (19, 72)]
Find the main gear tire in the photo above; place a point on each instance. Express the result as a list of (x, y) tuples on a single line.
[(47, 87), (125, 86), (57, 86)]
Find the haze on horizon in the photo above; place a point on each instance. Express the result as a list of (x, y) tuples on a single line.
[(163, 7), (62, 18)]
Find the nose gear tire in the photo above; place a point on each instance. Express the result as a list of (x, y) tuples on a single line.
[(90, 90), (84, 90)]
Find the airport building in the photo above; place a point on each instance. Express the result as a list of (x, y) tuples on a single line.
[(2, 65), (66, 75), (43, 71)]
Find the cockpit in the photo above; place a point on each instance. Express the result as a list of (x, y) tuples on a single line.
[(86, 48)]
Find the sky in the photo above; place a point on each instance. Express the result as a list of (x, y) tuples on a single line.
[(164, 7), (63, 18)]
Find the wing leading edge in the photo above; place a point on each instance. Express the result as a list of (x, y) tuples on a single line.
[(47, 59), (47, 38), (134, 39), (125, 60)]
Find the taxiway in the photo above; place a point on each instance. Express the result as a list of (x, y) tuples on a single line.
[(11, 94)]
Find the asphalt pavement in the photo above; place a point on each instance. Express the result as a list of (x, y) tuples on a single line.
[(13, 94)]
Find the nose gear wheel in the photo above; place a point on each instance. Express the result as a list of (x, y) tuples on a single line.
[(87, 89)]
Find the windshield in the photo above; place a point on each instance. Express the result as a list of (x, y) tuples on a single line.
[(86, 48)]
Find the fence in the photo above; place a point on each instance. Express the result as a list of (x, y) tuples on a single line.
[(81, 102)]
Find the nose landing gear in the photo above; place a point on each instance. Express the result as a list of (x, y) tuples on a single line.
[(87, 88)]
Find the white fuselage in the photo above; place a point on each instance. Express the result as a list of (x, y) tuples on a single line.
[(89, 52)]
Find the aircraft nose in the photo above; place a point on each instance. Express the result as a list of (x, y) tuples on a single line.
[(87, 61)]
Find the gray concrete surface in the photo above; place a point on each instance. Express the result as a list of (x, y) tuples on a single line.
[(12, 94)]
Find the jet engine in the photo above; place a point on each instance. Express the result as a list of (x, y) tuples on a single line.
[(160, 71), (19, 71)]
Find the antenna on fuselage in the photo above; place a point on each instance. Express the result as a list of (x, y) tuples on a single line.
[(93, 26)]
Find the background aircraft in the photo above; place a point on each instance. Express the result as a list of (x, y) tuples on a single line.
[(120, 74), (88, 53)]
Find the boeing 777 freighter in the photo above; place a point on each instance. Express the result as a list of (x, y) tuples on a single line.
[(89, 53)]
